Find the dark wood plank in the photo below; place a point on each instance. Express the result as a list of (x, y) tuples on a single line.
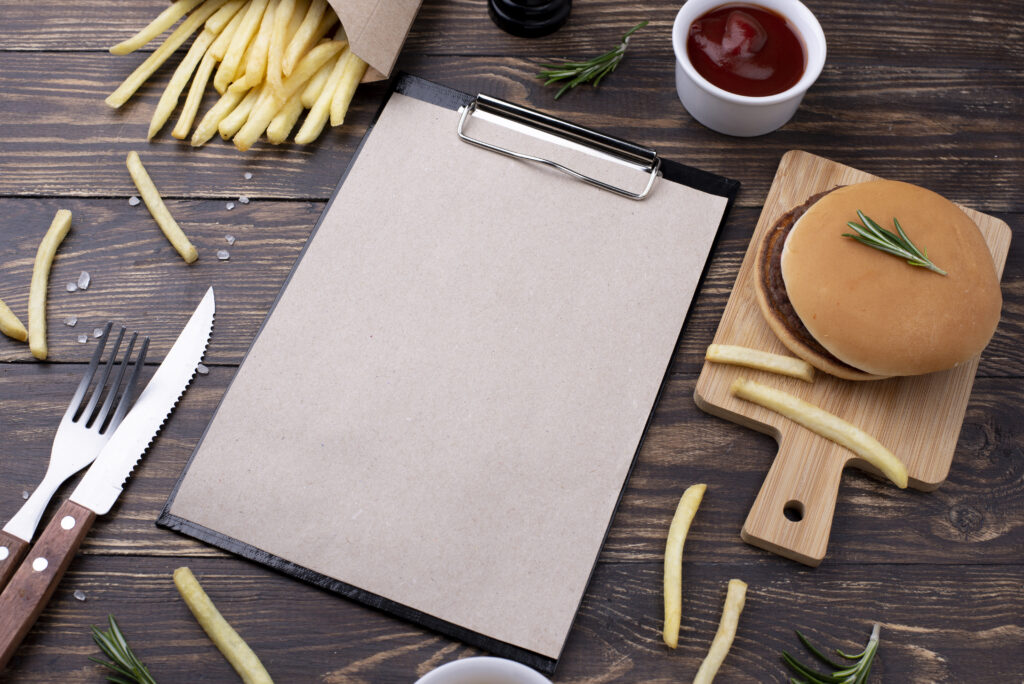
[(139, 280), (939, 624), (60, 139), (857, 33), (975, 517)]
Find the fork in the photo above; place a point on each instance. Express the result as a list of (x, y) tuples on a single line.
[(80, 436)]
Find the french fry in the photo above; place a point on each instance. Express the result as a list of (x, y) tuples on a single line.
[(303, 37), (316, 84), (11, 325), (160, 55), (155, 204), (355, 68), (275, 55), (169, 98), (222, 634), (735, 598), (194, 97), (40, 280), (256, 59), (163, 21), (228, 69), (230, 124), (222, 17), (220, 46), (318, 114), (760, 360), (673, 587), (284, 121), (210, 122), (825, 424), (272, 102)]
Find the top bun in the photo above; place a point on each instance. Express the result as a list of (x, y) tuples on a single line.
[(874, 311)]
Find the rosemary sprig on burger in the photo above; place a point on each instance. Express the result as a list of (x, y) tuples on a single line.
[(873, 235)]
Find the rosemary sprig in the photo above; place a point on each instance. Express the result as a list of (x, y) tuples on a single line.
[(873, 235), (857, 673), (593, 70), (125, 666)]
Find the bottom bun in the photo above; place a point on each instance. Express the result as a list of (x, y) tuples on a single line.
[(777, 310)]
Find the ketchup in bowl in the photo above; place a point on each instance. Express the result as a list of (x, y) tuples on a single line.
[(747, 50)]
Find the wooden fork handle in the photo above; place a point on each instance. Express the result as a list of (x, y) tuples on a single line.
[(12, 550), (37, 578)]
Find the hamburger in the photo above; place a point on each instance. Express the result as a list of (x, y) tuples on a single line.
[(859, 313)]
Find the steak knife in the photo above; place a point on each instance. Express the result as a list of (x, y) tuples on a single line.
[(37, 577)]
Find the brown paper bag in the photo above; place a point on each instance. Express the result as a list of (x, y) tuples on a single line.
[(376, 30)]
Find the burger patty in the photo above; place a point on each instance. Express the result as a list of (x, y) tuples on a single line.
[(770, 274)]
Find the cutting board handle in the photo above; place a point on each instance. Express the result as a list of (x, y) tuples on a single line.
[(792, 514)]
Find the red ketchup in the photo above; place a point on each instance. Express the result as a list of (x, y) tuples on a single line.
[(747, 50)]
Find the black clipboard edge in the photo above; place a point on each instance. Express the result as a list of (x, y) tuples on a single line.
[(505, 650), (452, 99)]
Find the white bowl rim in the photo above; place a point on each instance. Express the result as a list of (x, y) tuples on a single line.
[(510, 666), (815, 60)]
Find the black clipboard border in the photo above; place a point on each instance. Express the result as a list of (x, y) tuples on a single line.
[(448, 98)]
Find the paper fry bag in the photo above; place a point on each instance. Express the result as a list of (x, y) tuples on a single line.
[(376, 30)]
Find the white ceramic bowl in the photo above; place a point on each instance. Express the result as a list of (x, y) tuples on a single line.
[(483, 670), (742, 115)]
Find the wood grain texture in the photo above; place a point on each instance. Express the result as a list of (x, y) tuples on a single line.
[(925, 92), (60, 139), (302, 634)]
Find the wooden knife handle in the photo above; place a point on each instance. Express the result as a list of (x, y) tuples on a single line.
[(12, 550), (34, 582)]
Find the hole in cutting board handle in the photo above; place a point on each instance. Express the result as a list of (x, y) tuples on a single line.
[(793, 510)]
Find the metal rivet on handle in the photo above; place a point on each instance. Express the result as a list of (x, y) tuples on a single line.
[(4, 553), (39, 564), (67, 522)]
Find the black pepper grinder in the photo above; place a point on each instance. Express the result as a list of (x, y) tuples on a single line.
[(529, 18)]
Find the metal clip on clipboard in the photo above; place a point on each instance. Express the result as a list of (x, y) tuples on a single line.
[(642, 158)]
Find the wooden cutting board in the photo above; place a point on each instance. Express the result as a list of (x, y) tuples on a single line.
[(918, 418)]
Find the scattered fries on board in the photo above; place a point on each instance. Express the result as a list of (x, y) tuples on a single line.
[(56, 233), (760, 360), (10, 324), (673, 586), (825, 424), (155, 203), (268, 59), (735, 597), (223, 635)]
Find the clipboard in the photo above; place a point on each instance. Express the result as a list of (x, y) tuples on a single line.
[(441, 410)]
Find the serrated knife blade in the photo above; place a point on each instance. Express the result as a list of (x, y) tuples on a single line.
[(105, 479), (40, 572)]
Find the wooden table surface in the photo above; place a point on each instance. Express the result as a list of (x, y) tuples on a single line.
[(921, 91)]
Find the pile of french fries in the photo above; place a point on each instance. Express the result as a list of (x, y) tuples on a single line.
[(268, 59)]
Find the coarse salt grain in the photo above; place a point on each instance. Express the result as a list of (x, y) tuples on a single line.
[(133, 201)]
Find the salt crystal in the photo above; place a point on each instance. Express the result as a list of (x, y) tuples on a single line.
[(79, 594), (71, 287), (83, 280), (134, 201), (229, 206), (70, 321), (202, 369), (24, 494), (98, 332), (83, 338), (248, 175), (243, 199), (230, 239), (223, 254)]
